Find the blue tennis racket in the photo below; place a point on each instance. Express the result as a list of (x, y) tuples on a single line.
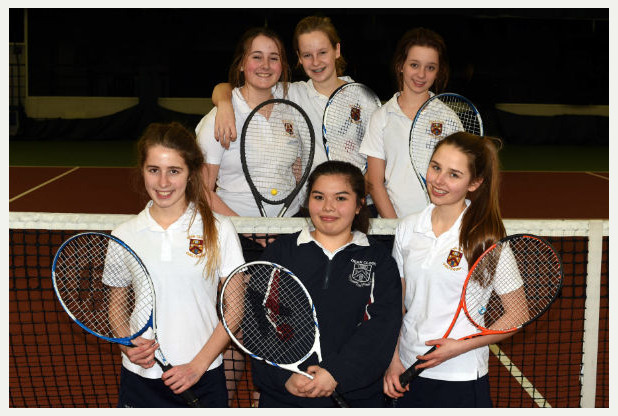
[(106, 289)]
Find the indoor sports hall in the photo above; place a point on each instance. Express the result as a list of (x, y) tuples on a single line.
[(83, 84)]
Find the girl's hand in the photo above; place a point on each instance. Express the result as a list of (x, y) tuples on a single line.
[(181, 377), (225, 125), (391, 385), (448, 348), (322, 385), (143, 352), (295, 383)]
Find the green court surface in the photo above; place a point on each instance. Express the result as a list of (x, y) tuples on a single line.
[(122, 153)]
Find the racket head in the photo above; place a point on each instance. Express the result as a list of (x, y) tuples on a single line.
[(345, 120), (438, 117), (269, 314), (276, 151), (104, 287), (512, 284)]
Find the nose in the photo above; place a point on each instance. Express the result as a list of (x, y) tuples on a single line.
[(329, 204), (421, 72), (163, 180)]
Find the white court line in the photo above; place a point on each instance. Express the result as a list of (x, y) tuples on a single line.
[(598, 176), (43, 184), (518, 375)]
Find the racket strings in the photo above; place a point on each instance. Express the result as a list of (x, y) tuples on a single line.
[(513, 284), (103, 286), (440, 118), (277, 151), (269, 314), (345, 121)]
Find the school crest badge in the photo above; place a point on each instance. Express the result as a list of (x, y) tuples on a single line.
[(362, 273), (436, 128), (355, 113), (196, 246), (453, 259), (289, 128)]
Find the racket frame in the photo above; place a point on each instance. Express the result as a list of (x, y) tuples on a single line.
[(326, 110), (421, 176), (259, 199)]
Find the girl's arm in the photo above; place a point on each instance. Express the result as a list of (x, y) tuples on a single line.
[(375, 180), (210, 173), (225, 120)]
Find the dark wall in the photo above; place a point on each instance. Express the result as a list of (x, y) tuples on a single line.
[(497, 55)]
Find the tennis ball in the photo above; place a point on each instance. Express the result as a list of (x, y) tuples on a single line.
[(274, 191)]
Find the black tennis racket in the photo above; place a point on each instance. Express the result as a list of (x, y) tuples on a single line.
[(269, 314), (440, 116), (346, 115), (106, 289), (510, 285), (276, 151)]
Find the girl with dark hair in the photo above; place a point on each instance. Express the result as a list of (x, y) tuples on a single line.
[(421, 67), (354, 283), (434, 249), (259, 64), (181, 243)]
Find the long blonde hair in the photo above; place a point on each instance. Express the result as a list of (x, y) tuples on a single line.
[(177, 137)]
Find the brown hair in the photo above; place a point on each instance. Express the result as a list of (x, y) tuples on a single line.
[(236, 77), (422, 37), (356, 180), (322, 24), (481, 225), (177, 137)]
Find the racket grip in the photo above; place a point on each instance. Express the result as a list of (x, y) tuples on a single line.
[(339, 399), (188, 396), (411, 373)]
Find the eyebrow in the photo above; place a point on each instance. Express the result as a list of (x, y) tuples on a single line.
[(450, 170), (336, 193)]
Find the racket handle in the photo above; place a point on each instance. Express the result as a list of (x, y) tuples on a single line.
[(411, 373), (189, 397), (339, 399)]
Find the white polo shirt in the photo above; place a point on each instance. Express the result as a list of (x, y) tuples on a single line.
[(232, 186), (185, 299), (388, 138), (434, 270)]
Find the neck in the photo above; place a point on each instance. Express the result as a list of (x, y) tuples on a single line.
[(444, 216), (410, 102), (332, 242), (254, 96), (166, 216), (329, 86)]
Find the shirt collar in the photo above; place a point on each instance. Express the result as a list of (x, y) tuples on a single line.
[(392, 106), (423, 225), (358, 238), (145, 220)]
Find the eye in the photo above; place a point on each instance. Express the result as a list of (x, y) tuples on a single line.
[(174, 171), (342, 198), (318, 197), (152, 170), (431, 68), (414, 65)]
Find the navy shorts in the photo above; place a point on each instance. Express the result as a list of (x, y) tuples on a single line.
[(426, 392), (137, 391)]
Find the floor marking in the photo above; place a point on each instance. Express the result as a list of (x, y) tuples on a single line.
[(598, 176), (43, 184), (518, 375)]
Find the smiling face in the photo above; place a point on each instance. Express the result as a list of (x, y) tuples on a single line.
[(420, 69), (262, 64), (449, 178), (165, 176), (332, 206), (317, 55)]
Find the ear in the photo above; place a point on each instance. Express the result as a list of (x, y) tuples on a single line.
[(338, 51), (474, 185), (358, 208)]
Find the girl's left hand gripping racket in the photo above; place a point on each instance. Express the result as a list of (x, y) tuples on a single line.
[(105, 288), (269, 314)]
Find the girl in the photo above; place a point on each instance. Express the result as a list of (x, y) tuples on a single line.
[(353, 281), (462, 220), (420, 64), (181, 243), (259, 63)]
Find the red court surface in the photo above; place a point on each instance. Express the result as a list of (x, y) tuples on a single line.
[(570, 195)]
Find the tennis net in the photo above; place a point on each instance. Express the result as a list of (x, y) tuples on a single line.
[(561, 360)]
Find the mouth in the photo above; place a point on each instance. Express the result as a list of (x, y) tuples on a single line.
[(164, 194), (438, 192), (328, 218), (319, 70)]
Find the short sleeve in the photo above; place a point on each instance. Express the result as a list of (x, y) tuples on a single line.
[(229, 247), (373, 141), (205, 132)]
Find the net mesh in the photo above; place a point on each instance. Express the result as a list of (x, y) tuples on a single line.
[(53, 363)]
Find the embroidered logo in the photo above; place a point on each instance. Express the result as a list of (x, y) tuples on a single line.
[(196, 246), (453, 259), (361, 273), (436, 128), (289, 128), (355, 113)]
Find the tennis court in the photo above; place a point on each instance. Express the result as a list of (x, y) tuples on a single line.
[(53, 363)]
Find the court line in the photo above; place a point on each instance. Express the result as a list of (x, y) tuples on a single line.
[(518, 375), (43, 184), (598, 176)]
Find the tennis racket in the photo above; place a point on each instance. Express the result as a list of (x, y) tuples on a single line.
[(346, 115), (105, 288), (276, 151), (438, 117), (510, 285), (269, 314)]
